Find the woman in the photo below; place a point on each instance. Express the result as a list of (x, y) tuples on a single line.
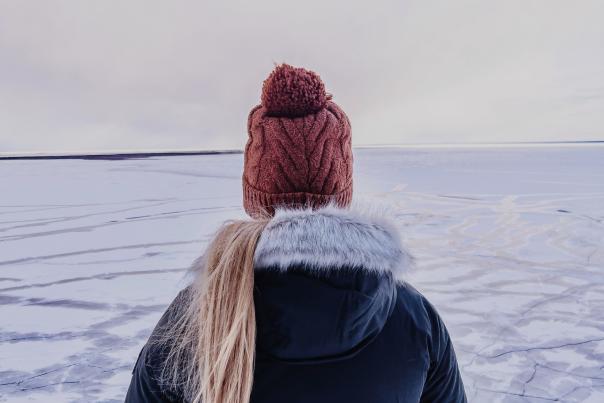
[(305, 302)]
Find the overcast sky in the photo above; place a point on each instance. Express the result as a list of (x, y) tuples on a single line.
[(143, 74)]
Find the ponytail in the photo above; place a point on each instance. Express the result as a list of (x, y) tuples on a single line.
[(212, 342)]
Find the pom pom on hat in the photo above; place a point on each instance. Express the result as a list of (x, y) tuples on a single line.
[(293, 92)]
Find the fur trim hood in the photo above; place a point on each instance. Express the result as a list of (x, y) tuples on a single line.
[(363, 236)]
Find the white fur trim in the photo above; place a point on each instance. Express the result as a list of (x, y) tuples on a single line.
[(330, 238)]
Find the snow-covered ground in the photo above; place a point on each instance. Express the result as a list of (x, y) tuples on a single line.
[(509, 245)]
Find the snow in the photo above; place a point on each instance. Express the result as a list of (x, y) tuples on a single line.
[(508, 241)]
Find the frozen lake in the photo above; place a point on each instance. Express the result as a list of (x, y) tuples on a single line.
[(509, 245)]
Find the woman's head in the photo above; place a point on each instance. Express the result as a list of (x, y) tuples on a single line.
[(299, 150)]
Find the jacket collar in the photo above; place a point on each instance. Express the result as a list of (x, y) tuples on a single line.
[(362, 236)]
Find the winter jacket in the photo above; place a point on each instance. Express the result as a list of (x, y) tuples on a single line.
[(335, 321)]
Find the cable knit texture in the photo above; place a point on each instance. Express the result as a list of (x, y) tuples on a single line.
[(293, 160)]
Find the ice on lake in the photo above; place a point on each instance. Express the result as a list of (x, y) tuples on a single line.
[(509, 245)]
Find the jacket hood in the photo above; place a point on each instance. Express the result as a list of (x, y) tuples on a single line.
[(325, 281)]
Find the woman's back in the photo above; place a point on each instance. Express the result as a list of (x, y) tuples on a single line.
[(334, 321)]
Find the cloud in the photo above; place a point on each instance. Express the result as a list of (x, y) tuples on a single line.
[(136, 74)]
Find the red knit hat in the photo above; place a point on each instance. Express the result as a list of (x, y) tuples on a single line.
[(299, 150)]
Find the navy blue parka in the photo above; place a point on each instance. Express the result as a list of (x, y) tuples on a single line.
[(335, 321)]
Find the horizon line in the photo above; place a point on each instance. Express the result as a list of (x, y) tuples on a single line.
[(120, 154)]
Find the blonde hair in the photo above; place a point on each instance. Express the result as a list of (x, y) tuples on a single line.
[(210, 337)]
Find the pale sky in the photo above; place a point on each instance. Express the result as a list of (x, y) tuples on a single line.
[(143, 74)]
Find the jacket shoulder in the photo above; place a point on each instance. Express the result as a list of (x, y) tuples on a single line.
[(421, 319), (146, 385), (443, 379), (415, 306)]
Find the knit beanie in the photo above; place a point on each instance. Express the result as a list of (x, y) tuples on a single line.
[(298, 152)]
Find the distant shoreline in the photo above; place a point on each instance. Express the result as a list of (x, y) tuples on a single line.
[(124, 155), (118, 155)]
